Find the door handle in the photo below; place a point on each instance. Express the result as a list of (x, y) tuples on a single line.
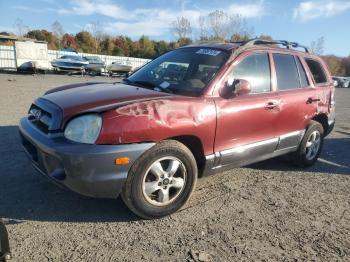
[(271, 105), (312, 100)]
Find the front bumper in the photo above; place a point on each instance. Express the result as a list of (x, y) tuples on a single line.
[(89, 170)]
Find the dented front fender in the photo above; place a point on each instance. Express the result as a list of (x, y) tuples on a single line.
[(159, 119)]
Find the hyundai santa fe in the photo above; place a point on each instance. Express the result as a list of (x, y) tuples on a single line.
[(193, 111)]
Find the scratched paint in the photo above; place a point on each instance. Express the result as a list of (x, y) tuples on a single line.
[(156, 120)]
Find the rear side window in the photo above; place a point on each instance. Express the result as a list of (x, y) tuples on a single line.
[(254, 68), (303, 78), (286, 72), (316, 70)]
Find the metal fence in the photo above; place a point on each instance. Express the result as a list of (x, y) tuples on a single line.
[(8, 58)]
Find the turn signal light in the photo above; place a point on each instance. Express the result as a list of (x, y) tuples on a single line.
[(122, 161)]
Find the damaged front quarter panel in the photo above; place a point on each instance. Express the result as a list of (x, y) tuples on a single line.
[(159, 119)]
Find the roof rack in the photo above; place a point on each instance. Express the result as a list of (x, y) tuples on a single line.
[(258, 41)]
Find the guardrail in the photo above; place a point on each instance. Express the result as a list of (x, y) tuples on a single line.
[(8, 58)]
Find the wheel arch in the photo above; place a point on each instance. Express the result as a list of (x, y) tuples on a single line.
[(323, 120), (195, 145)]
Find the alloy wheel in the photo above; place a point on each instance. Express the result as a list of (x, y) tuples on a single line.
[(164, 181), (313, 145)]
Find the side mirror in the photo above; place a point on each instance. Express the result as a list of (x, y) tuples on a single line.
[(5, 254), (237, 88)]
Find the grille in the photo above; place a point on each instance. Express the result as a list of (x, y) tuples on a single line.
[(40, 118), (45, 116)]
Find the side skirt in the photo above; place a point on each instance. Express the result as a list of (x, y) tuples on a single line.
[(252, 153)]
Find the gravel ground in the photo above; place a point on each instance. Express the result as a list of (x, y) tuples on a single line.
[(267, 211)]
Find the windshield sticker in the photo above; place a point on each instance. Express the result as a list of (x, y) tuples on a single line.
[(165, 84), (211, 52)]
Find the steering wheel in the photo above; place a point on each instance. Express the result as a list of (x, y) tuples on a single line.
[(155, 74)]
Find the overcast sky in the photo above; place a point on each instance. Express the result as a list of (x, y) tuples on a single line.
[(300, 21)]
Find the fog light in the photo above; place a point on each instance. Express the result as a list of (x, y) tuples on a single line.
[(122, 161)]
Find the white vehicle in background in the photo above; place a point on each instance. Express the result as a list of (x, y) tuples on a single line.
[(341, 82), (95, 64), (119, 68), (347, 82), (69, 63)]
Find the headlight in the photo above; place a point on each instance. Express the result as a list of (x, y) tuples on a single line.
[(84, 129)]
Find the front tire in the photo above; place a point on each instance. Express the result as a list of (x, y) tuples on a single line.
[(161, 180), (310, 146)]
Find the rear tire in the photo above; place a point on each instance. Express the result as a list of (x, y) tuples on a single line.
[(310, 146), (161, 180)]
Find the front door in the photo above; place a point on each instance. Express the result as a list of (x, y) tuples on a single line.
[(246, 123)]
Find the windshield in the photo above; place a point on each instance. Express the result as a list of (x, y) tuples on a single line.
[(185, 71), (78, 58), (92, 58)]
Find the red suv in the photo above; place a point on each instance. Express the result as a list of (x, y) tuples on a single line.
[(193, 111)]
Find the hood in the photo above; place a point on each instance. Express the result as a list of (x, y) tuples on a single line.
[(78, 99)]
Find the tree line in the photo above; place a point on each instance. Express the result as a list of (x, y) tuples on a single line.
[(215, 26)]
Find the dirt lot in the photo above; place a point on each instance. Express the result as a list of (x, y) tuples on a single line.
[(267, 211)]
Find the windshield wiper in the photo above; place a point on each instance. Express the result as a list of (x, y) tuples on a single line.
[(129, 82), (146, 84), (143, 84)]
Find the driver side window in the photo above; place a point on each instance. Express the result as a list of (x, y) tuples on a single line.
[(255, 68)]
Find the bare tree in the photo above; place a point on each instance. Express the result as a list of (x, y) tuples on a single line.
[(218, 23), (58, 31), (202, 27), (317, 46), (222, 26), (181, 27), (21, 28), (96, 31)]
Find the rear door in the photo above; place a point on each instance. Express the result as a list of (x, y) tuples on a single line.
[(296, 95), (324, 87)]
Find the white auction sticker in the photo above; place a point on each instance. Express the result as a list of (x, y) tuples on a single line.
[(211, 52), (165, 84)]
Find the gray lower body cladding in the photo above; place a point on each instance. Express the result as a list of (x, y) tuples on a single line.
[(89, 170), (252, 153)]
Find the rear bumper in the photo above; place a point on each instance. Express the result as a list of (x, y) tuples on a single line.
[(330, 128), (89, 170), (331, 122)]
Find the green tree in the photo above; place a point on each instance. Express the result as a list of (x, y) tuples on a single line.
[(161, 47), (107, 45), (184, 41), (124, 44), (147, 49), (346, 65), (266, 37), (117, 51), (43, 35), (85, 41), (335, 65)]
